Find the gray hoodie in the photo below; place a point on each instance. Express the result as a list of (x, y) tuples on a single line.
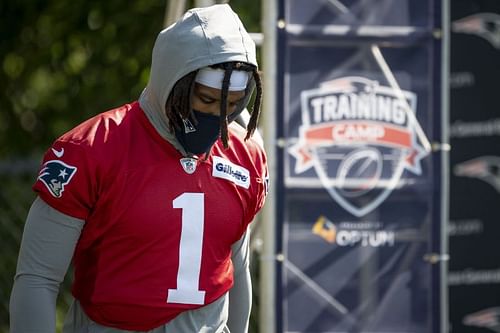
[(202, 37)]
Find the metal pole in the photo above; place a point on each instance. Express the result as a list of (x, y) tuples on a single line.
[(267, 292), (445, 200), (204, 3), (174, 10)]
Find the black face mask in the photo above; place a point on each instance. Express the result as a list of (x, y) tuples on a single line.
[(200, 138)]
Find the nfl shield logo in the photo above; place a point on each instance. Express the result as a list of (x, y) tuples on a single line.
[(359, 137), (188, 164)]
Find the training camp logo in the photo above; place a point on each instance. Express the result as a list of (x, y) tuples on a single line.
[(55, 175), (359, 137)]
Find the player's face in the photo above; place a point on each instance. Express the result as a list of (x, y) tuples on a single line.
[(208, 100)]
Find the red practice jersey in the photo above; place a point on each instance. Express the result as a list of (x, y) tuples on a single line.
[(159, 228)]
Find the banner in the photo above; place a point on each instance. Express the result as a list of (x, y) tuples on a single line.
[(360, 190), (474, 268)]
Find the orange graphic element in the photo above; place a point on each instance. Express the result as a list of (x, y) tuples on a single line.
[(355, 132), (325, 229)]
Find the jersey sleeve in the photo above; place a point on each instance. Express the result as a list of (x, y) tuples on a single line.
[(262, 190), (261, 185), (67, 179)]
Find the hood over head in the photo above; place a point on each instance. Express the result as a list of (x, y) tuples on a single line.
[(202, 37)]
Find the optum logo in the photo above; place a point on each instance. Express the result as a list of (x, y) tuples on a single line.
[(353, 236)]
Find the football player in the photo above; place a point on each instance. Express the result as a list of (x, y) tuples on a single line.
[(152, 201)]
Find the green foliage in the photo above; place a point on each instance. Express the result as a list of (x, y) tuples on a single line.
[(15, 199), (62, 62), (65, 61)]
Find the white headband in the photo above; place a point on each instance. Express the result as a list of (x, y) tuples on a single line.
[(212, 77)]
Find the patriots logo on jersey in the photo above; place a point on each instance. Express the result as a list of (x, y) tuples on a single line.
[(55, 175)]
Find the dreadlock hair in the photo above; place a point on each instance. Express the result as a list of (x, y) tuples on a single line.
[(178, 105)]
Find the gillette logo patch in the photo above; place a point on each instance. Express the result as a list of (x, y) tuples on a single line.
[(222, 168)]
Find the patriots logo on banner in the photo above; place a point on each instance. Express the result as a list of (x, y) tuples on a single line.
[(483, 25), (359, 137), (55, 175), (486, 318), (485, 168)]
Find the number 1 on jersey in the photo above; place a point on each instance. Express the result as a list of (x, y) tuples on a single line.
[(188, 275)]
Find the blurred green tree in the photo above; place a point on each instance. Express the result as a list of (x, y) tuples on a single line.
[(63, 62)]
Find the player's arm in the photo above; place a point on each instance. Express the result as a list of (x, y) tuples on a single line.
[(47, 246), (240, 296)]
